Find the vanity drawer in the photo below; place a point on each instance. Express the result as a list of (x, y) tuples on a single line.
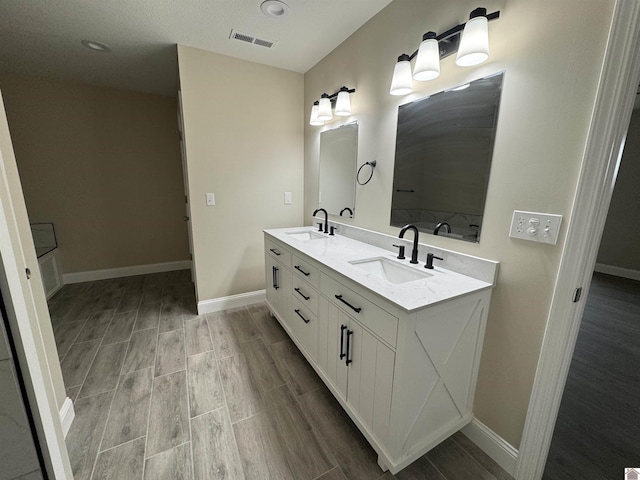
[(305, 327), (306, 271), (278, 251), (367, 313), (305, 294)]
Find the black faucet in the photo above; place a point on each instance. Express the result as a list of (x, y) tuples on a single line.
[(326, 219), (414, 252), (440, 225), (345, 209)]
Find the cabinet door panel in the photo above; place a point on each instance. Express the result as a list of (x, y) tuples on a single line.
[(336, 369), (278, 287)]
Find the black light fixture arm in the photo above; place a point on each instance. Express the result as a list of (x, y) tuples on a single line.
[(334, 95), (448, 41)]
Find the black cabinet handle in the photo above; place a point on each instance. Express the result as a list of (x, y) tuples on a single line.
[(306, 274), (301, 294), (342, 329), (355, 309), (348, 360), (275, 278), (275, 251), (300, 315)]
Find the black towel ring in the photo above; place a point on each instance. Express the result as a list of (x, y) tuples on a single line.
[(373, 165)]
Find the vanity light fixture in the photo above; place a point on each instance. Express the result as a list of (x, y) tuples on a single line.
[(470, 40), (321, 110)]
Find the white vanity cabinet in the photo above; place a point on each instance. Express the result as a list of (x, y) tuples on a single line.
[(405, 377), (278, 276)]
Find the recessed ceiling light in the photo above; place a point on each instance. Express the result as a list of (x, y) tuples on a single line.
[(274, 8), (97, 46)]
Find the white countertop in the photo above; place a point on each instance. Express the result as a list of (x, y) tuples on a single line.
[(337, 251)]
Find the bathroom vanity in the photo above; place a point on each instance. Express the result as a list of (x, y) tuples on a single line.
[(398, 345)]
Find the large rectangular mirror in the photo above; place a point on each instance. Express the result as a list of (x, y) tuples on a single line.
[(338, 157), (444, 147)]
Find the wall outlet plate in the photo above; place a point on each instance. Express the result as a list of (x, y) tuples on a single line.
[(535, 227), (211, 199), (287, 198)]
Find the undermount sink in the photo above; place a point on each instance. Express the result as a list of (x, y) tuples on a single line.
[(306, 235), (392, 272)]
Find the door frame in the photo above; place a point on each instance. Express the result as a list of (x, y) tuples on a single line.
[(605, 143), (20, 295)]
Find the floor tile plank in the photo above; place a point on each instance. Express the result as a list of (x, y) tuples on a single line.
[(83, 439), (170, 355), (148, 316), (306, 453), (173, 464), (77, 362), (262, 365), (261, 450), (120, 328), (270, 328), (197, 336), (105, 370), (124, 462), (242, 394), (169, 415), (130, 409), (205, 386), (142, 350), (96, 326), (294, 367), (215, 455)]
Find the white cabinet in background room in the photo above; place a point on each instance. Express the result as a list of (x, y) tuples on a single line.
[(405, 377)]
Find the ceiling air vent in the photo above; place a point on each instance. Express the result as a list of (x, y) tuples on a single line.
[(243, 37)]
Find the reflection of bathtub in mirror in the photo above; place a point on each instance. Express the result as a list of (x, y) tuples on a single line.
[(46, 244)]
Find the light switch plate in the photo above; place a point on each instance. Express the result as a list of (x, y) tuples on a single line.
[(535, 227), (287, 198), (211, 199)]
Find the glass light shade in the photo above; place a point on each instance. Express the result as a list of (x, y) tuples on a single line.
[(428, 61), (474, 43), (343, 104), (314, 116), (402, 82), (324, 109)]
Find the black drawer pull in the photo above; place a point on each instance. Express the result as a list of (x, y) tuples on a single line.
[(348, 360), (300, 315), (301, 294), (342, 329), (275, 278), (355, 309), (306, 274), (275, 251)]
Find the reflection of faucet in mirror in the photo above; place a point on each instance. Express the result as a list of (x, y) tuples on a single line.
[(326, 219), (446, 226), (414, 251), (345, 209)]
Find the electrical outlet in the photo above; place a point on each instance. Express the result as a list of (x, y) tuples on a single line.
[(535, 227), (287, 198), (211, 199)]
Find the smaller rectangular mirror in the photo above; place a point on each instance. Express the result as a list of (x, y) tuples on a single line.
[(338, 158)]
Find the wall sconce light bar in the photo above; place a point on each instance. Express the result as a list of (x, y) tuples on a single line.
[(321, 110), (470, 40)]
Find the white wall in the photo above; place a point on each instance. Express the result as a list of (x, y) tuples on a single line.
[(244, 142), (552, 54)]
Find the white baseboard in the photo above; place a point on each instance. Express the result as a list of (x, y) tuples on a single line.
[(67, 414), (618, 271), (232, 301), (492, 444), (92, 275)]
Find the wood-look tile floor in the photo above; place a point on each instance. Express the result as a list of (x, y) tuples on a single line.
[(162, 393), (598, 426)]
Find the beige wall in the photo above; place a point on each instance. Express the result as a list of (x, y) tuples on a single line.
[(552, 53), (104, 166), (619, 245), (244, 142)]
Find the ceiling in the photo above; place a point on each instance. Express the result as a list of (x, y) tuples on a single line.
[(42, 38)]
